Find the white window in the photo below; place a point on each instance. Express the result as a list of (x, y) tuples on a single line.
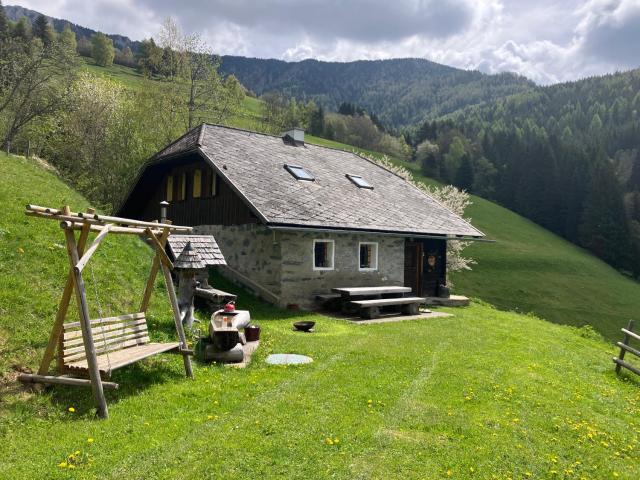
[(368, 253), (323, 254), (299, 173), (359, 181)]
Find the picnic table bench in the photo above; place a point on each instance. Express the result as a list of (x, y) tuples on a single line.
[(369, 300)]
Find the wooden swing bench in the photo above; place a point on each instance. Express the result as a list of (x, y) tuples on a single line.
[(119, 341), (94, 347)]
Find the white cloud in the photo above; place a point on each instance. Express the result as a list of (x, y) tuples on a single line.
[(547, 40)]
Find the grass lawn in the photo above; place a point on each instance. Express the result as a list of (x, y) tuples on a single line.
[(483, 394)]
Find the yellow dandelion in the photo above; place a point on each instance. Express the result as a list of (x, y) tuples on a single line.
[(336, 440), (90, 440), (449, 473), (209, 417), (72, 410), (615, 474), (62, 464), (328, 441), (471, 469), (369, 401)]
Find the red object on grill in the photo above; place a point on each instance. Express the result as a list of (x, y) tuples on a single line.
[(230, 307)]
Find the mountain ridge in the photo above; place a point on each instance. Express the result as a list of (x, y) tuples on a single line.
[(400, 91)]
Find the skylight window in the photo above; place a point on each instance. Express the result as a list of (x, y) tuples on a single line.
[(359, 181), (299, 173)]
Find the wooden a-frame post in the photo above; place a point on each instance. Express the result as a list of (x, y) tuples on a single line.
[(85, 323), (56, 332), (162, 261)]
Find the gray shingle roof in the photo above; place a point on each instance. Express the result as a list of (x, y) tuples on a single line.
[(205, 245), (254, 164)]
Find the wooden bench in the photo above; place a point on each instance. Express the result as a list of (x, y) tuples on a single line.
[(330, 301), (371, 308), (118, 341)]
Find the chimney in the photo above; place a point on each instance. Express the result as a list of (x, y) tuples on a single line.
[(163, 211), (294, 137)]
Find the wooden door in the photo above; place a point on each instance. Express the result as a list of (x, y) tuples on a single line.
[(433, 267), (413, 266)]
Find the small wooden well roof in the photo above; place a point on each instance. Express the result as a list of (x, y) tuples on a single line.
[(204, 245)]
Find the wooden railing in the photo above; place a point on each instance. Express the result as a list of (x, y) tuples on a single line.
[(629, 335)]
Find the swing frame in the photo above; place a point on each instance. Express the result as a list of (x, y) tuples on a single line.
[(87, 222)]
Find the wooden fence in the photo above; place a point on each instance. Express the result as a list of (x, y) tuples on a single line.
[(629, 335)]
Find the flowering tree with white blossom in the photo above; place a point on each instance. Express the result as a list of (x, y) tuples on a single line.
[(451, 197)]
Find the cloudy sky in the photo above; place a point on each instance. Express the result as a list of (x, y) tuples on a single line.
[(547, 41)]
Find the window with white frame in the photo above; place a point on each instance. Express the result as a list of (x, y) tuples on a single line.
[(323, 254), (368, 256)]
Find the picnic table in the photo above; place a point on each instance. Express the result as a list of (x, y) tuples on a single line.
[(371, 291), (369, 300)]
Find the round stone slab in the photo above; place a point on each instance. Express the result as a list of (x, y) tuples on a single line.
[(287, 359)]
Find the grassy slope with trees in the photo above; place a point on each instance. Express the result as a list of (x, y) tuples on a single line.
[(438, 407), (530, 269)]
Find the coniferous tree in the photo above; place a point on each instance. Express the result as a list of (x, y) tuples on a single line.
[(22, 30), (5, 29), (465, 175), (316, 123), (42, 29), (604, 229), (431, 166), (149, 57), (634, 178)]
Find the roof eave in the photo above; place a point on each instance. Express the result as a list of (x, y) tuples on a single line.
[(382, 232)]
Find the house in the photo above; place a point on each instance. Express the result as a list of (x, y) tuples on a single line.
[(294, 220)]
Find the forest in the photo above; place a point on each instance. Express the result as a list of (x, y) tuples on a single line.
[(400, 92), (564, 156)]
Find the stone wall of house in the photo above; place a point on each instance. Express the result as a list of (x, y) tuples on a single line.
[(282, 262), (300, 282), (251, 251)]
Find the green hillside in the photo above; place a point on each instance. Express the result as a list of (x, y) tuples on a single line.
[(413, 400), (529, 269), (248, 117), (34, 263)]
